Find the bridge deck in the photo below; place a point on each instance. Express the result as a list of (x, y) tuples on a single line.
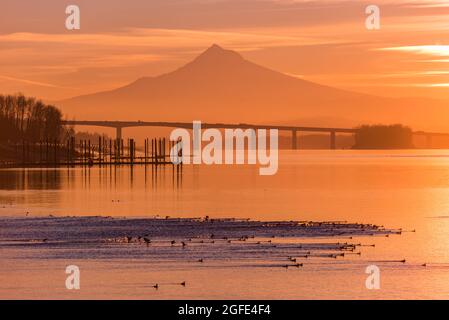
[(188, 125)]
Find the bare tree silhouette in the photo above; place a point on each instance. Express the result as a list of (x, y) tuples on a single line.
[(25, 118)]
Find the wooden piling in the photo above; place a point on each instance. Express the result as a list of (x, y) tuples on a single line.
[(152, 150), (70, 152), (89, 155), (131, 151), (47, 158), (55, 162), (99, 151)]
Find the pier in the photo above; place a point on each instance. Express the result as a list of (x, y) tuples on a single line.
[(103, 152)]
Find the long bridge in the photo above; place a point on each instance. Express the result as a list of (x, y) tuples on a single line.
[(294, 130), (119, 125)]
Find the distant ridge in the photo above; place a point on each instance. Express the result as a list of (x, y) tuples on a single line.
[(220, 85)]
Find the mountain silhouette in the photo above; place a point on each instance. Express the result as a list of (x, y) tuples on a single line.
[(221, 86)]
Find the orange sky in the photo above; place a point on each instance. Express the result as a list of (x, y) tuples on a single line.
[(323, 41)]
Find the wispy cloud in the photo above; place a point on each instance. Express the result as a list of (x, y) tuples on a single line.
[(36, 83), (433, 50), (167, 38), (439, 85)]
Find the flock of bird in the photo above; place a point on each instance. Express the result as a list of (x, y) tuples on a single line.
[(303, 250), (291, 244)]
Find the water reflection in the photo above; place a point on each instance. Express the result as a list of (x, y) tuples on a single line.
[(28, 179), (59, 178), (117, 190), (372, 187)]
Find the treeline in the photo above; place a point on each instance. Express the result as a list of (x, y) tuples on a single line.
[(26, 118), (383, 137)]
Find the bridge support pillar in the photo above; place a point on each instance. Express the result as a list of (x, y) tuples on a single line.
[(118, 134), (333, 140), (294, 140), (118, 139), (429, 141)]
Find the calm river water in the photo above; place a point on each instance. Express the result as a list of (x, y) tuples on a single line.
[(396, 189)]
